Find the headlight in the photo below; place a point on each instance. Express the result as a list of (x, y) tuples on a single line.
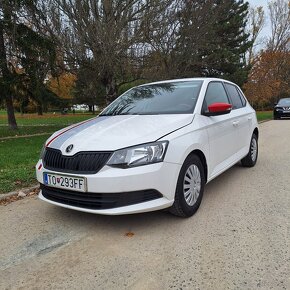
[(139, 155)]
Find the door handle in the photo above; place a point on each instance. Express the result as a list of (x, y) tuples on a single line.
[(236, 123), (250, 118)]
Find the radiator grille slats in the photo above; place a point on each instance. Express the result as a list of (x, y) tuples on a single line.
[(82, 162)]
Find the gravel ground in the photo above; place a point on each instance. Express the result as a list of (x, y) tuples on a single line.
[(239, 238)]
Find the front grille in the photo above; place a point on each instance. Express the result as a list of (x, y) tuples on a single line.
[(92, 200), (82, 162)]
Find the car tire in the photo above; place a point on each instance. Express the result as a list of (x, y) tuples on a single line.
[(276, 118), (189, 188), (251, 159)]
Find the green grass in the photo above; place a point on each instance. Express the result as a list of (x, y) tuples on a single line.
[(264, 115), (28, 130), (18, 156), (17, 160), (47, 119), (33, 124)]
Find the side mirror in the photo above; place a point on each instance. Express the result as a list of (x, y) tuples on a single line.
[(217, 109)]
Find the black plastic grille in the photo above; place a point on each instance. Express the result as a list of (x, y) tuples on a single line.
[(98, 200), (82, 162)]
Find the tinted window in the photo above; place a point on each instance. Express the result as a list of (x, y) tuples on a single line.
[(215, 93), (284, 102), (235, 96), (162, 98), (244, 101)]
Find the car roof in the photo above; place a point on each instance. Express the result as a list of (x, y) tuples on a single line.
[(187, 80)]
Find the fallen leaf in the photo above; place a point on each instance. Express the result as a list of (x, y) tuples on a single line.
[(129, 234), (17, 182)]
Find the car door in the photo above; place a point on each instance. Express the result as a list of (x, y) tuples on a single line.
[(222, 130), (243, 118)]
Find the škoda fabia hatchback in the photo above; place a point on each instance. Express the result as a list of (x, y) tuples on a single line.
[(154, 147)]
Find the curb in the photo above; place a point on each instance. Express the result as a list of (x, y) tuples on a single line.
[(264, 121), (12, 193)]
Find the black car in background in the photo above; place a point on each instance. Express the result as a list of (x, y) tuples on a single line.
[(282, 109)]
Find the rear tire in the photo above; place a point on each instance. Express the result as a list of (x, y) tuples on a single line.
[(252, 156), (189, 188)]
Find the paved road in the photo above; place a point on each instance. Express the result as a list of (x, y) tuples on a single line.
[(239, 239)]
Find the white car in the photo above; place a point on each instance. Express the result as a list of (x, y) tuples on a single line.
[(154, 147)]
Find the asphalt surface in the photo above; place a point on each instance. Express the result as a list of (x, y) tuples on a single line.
[(239, 238)]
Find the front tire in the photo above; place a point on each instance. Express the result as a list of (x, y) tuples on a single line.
[(252, 156), (189, 188)]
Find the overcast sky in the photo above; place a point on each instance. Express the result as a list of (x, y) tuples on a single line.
[(266, 30)]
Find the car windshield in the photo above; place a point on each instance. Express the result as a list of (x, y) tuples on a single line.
[(163, 98), (284, 102)]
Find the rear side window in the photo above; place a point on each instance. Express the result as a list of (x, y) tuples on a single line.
[(244, 102), (215, 93), (235, 96)]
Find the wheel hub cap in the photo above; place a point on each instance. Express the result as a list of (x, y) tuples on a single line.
[(191, 184), (254, 149)]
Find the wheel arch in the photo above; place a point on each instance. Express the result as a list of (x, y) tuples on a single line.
[(202, 158), (256, 132)]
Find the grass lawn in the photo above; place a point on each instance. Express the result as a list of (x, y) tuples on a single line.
[(17, 160), (46, 119), (34, 124), (264, 115), (28, 130), (19, 156)]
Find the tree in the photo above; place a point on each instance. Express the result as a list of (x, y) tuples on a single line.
[(27, 46), (212, 39), (63, 86), (280, 25), (269, 79), (38, 59), (88, 89), (103, 34), (256, 21), (6, 74)]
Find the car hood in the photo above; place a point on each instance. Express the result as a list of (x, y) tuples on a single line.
[(108, 133)]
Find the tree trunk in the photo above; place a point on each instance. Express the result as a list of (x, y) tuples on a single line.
[(10, 113), (6, 90), (111, 90), (39, 110)]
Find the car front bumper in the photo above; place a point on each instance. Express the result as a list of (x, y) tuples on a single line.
[(282, 114), (160, 177)]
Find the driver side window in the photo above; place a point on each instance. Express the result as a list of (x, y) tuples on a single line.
[(215, 93)]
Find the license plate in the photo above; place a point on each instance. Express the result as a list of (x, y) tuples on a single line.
[(64, 181)]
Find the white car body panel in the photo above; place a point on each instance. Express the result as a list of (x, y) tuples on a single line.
[(115, 132), (223, 140)]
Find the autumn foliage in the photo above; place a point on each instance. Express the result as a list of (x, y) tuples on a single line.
[(63, 85), (269, 79)]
